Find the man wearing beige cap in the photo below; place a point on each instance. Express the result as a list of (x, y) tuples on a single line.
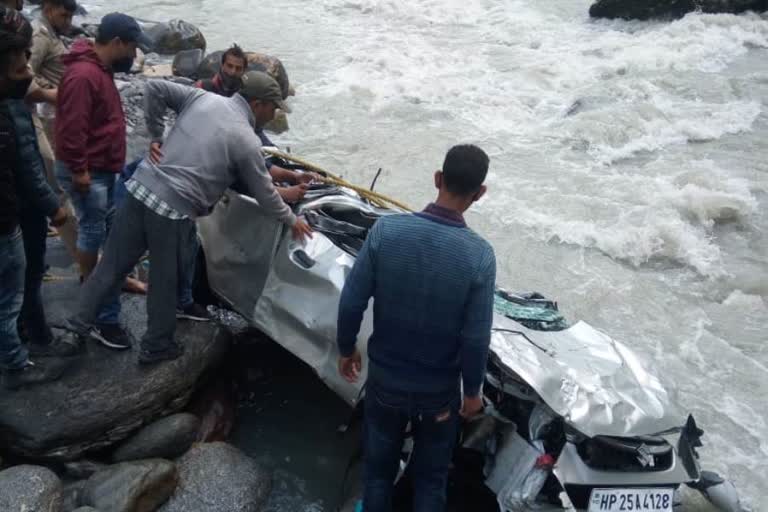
[(211, 145)]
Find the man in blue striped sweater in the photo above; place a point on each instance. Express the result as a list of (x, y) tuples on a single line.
[(432, 280)]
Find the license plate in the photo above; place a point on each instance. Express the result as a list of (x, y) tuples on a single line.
[(631, 500)]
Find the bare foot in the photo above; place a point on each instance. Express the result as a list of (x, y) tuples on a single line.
[(133, 285)]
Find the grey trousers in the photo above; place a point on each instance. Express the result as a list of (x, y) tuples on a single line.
[(135, 229)]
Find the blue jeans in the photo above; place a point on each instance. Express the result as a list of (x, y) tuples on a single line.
[(34, 229), (12, 353), (95, 211), (188, 257), (434, 419)]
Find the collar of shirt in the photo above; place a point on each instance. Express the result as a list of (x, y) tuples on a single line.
[(48, 27), (243, 105), (443, 215)]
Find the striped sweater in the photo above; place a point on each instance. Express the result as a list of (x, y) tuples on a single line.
[(432, 280)]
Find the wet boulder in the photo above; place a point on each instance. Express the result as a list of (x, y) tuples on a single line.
[(71, 496), (174, 36), (637, 10), (30, 488), (105, 396), (167, 438), (82, 469), (273, 66), (217, 477), (187, 62), (140, 486)]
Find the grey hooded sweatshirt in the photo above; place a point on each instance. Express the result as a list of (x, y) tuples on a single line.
[(211, 145)]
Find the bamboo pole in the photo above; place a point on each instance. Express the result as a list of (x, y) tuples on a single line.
[(328, 177)]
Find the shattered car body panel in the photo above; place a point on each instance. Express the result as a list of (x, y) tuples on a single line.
[(593, 381), (573, 393)]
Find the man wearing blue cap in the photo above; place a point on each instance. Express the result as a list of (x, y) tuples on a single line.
[(91, 146)]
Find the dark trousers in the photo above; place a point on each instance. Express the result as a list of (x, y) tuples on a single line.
[(34, 230), (189, 256), (137, 229), (13, 354), (434, 419)]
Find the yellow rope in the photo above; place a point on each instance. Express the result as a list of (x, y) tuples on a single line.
[(328, 177)]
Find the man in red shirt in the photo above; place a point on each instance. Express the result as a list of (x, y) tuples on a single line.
[(91, 145)]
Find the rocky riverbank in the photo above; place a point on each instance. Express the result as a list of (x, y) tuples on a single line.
[(116, 437), (112, 436)]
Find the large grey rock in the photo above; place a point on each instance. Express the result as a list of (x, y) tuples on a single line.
[(82, 469), (218, 477), (106, 396), (174, 36), (186, 63), (167, 438), (29, 488), (139, 486), (85, 509), (71, 496), (643, 10)]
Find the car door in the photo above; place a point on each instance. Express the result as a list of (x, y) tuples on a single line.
[(239, 243)]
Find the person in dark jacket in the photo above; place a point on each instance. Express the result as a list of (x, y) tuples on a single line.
[(91, 146), (22, 185), (432, 280)]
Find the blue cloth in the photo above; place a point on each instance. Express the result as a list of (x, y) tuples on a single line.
[(13, 354), (120, 190), (95, 211), (434, 419), (432, 281)]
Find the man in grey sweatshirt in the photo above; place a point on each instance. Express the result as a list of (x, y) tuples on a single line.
[(211, 145)]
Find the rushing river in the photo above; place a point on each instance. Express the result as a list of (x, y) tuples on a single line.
[(628, 175)]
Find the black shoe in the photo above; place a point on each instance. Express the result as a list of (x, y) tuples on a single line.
[(194, 312), (67, 345), (173, 351), (31, 374), (111, 336)]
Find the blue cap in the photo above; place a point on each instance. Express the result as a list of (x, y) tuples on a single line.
[(125, 28)]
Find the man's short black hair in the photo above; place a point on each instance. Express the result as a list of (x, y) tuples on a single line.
[(15, 36), (69, 5), (237, 52), (465, 169)]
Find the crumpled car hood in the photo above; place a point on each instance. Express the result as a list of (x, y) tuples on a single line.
[(596, 383)]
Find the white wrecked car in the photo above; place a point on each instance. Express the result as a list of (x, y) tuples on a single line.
[(573, 421)]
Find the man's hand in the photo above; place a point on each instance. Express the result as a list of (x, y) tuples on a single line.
[(301, 230), (350, 367), (292, 194), (305, 177), (59, 218), (155, 155), (51, 96), (82, 181), (472, 406)]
